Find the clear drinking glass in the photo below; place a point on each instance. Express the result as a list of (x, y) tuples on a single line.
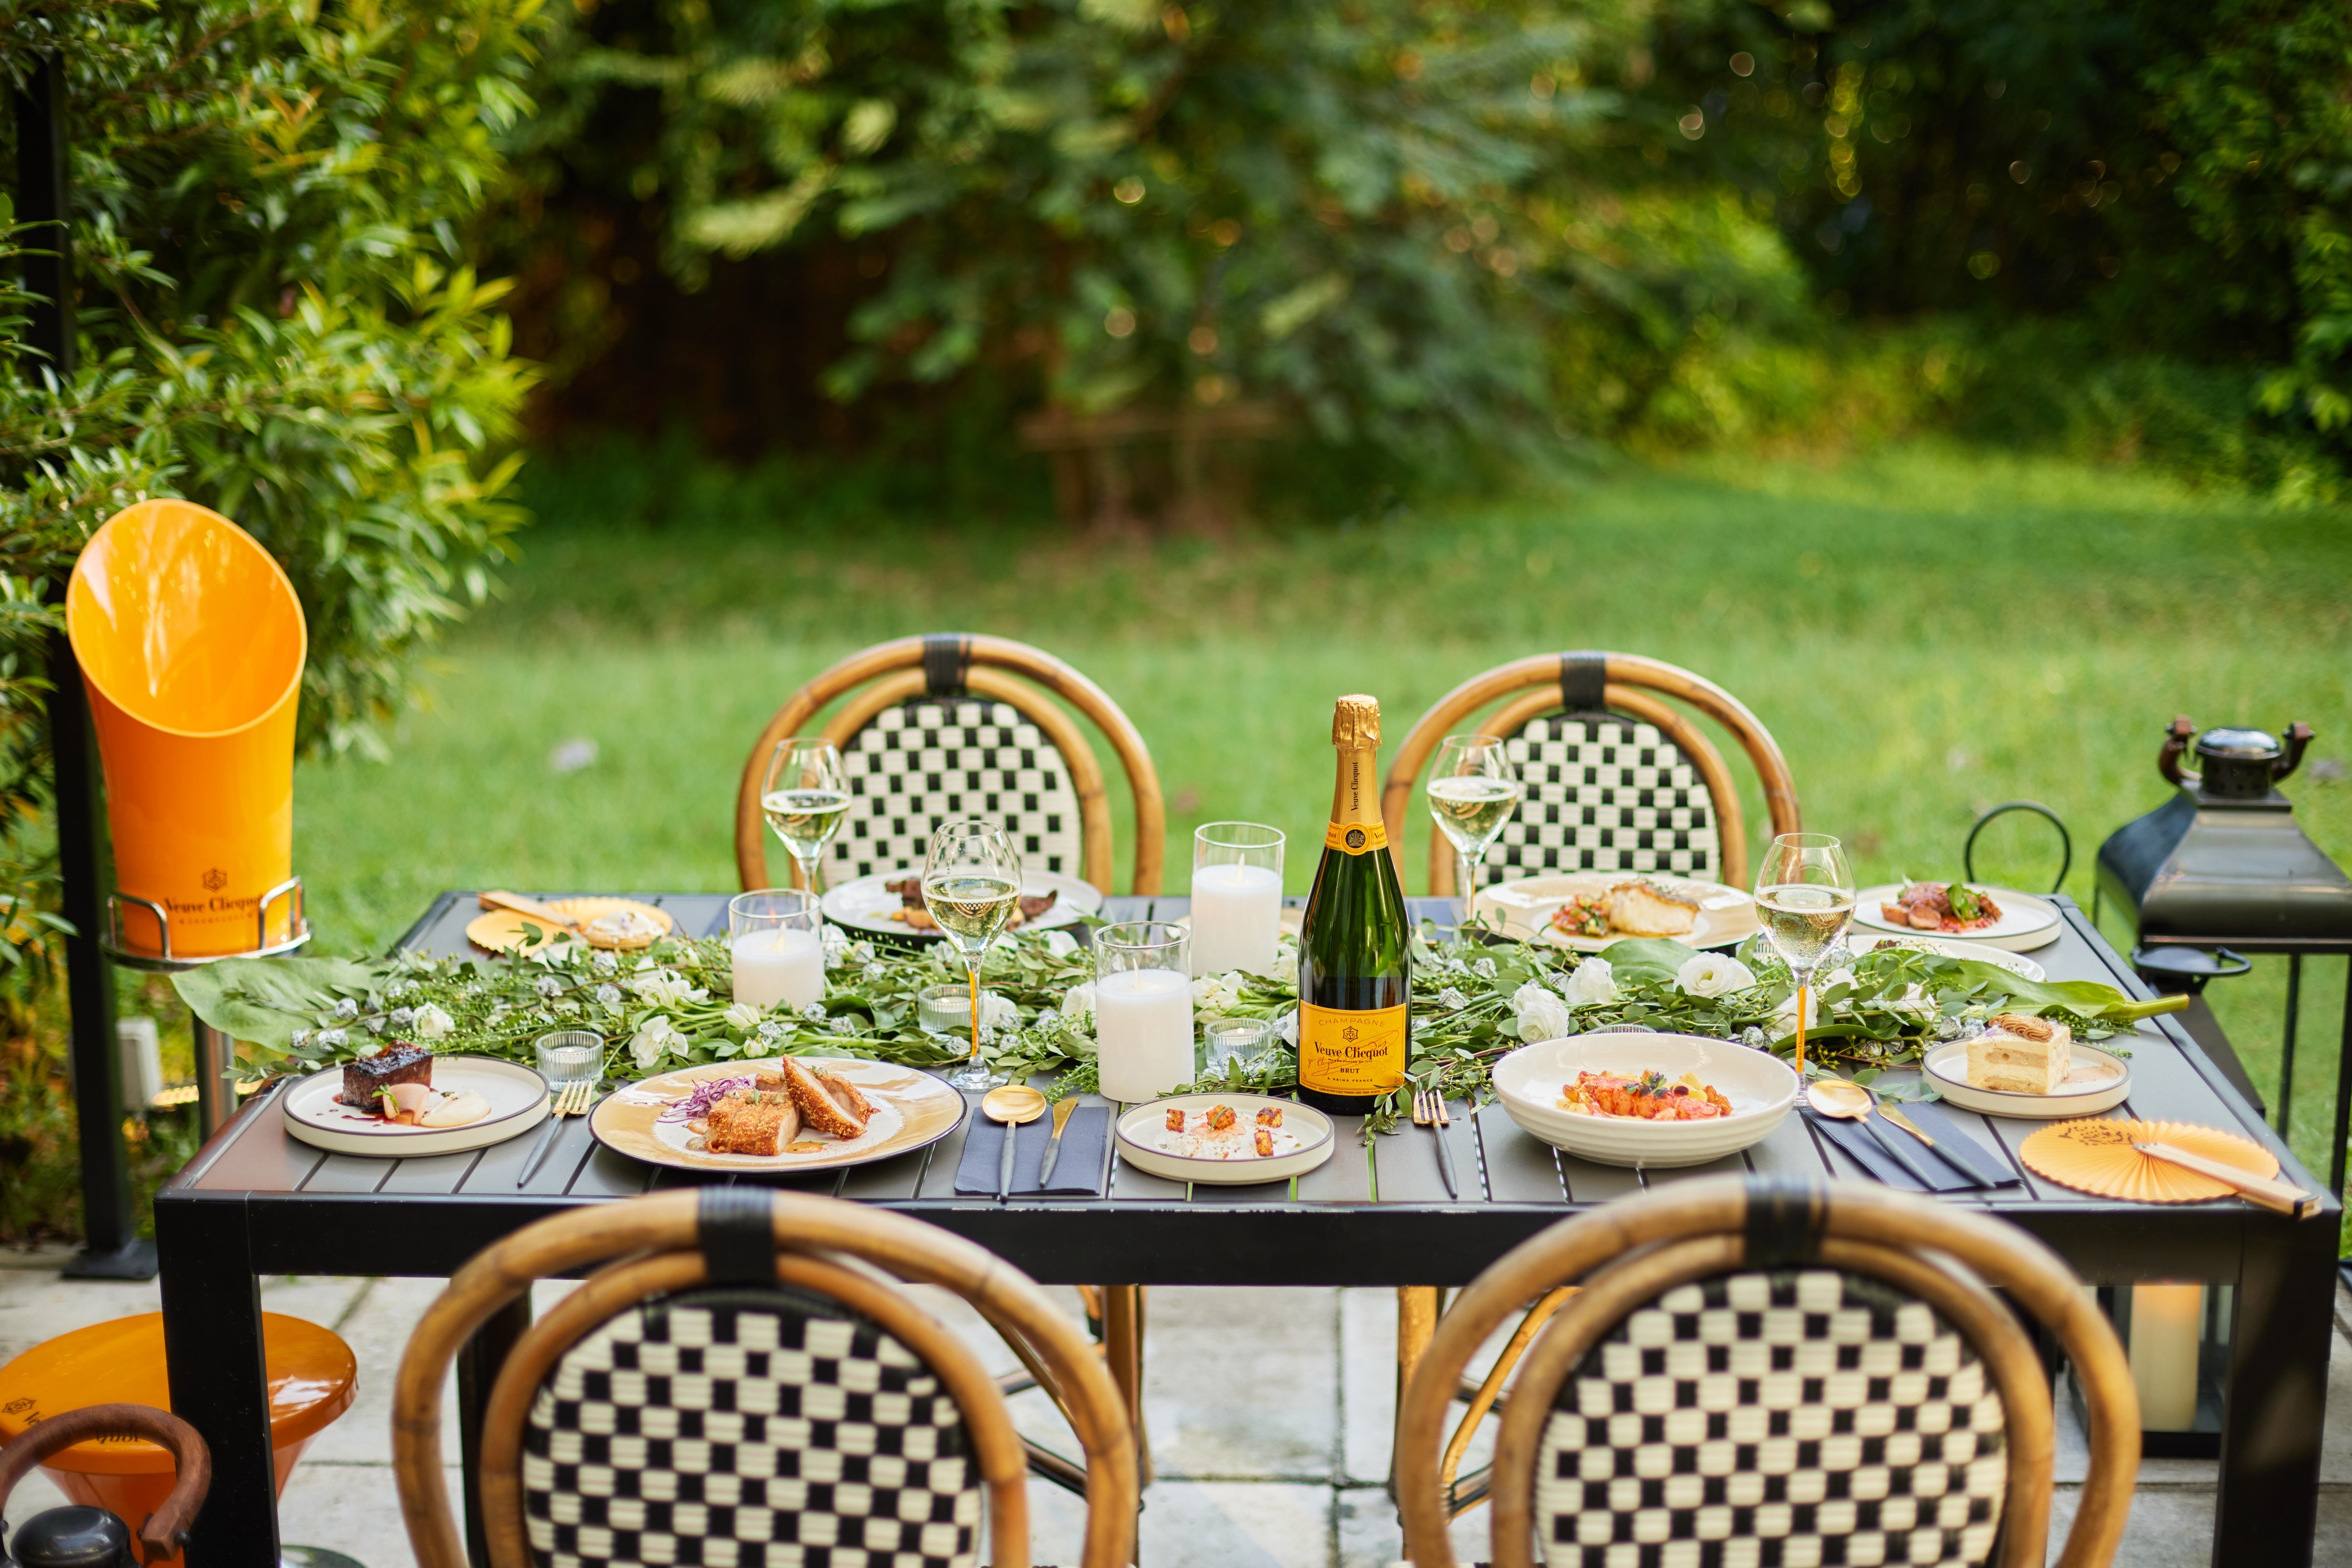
[(1473, 790), (569, 1056), (1804, 896), (1143, 1009), (776, 941), (1236, 897), (971, 885), (805, 798)]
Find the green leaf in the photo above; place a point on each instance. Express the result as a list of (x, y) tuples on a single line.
[(1647, 960)]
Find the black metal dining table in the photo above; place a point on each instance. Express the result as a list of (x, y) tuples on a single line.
[(256, 1202)]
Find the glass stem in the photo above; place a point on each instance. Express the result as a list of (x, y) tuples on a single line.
[(1803, 982), (808, 875), (1466, 882), (973, 969)]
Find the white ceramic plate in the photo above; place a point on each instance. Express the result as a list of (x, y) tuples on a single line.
[(912, 1108), (2026, 922), (1860, 942), (866, 905), (1760, 1087), (518, 1098), (1726, 916), (1310, 1141), (1948, 1069)]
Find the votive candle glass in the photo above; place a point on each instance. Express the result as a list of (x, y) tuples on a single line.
[(1236, 897), (775, 938), (1143, 1009)]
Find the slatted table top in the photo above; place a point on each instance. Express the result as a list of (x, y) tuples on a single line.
[(1372, 1213)]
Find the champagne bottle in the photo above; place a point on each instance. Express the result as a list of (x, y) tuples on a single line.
[(1354, 988)]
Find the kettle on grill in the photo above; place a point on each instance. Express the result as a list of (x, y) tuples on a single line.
[(82, 1537)]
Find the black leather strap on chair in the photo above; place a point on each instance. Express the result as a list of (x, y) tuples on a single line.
[(1786, 1217), (735, 1228), (1584, 683), (947, 660)]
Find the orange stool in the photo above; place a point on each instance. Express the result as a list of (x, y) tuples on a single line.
[(313, 1379)]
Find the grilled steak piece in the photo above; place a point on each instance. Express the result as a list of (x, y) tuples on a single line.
[(399, 1062)]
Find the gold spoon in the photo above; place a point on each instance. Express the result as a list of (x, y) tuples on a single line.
[(1849, 1101), (1013, 1105)]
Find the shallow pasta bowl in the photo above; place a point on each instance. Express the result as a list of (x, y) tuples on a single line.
[(1760, 1087)]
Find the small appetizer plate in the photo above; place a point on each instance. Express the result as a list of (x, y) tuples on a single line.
[(1727, 915), (911, 1109), (506, 930), (867, 904), (1760, 1085), (2100, 1081), (1861, 942), (2026, 922), (518, 1098), (1303, 1141)]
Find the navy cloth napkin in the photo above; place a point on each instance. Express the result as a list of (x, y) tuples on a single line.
[(1078, 1171), (1856, 1141), (1989, 1168)]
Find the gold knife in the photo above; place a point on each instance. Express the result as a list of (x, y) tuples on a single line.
[(1906, 1123), (1054, 1144)]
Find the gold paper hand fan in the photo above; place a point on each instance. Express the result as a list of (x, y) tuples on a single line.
[(2096, 1155)]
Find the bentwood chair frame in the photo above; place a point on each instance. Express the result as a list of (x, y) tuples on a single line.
[(1601, 1266), (856, 1256), (1581, 682), (994, 668)]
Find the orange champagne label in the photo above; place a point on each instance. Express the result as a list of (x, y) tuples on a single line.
[(1342, 1052), (1356, 838)]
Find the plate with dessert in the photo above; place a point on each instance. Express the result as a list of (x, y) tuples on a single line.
[(1225, 1140), (1995, 916), (777, 1117), (1587, 909), (1645, 1100), (404, 1100), (2030, 1068), (890, 904)]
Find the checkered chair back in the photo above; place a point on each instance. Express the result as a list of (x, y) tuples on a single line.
[(1604, 794), (747, 1428), (934, 759), (1773, 1417)]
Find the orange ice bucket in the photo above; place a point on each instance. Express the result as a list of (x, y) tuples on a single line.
[(191, 643)]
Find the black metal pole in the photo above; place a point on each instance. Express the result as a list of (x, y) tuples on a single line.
[(111, 1247), (2343, 1090)]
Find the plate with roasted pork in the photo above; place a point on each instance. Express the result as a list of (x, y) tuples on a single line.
[(778, 1116), (404, 1100), (1996, 916), (890, 904), (1587, 909)]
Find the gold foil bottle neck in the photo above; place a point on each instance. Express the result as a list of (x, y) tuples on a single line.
[(1356, 723)]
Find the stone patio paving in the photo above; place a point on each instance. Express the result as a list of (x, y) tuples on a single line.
[(1269, 1413)]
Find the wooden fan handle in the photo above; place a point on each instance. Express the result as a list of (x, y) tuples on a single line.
[(2270, 1193), (515, 903)]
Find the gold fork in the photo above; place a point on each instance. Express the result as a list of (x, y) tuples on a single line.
[(573, 1102), (1429, 1111)]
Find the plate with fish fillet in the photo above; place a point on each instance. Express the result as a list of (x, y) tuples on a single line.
[(1587, 909), (778, 1116), (890, 904), (1996, 916)]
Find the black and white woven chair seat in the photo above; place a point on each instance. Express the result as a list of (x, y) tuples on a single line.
[(934, 759), (1604, 794), (1782, 1419), (747, 1428)]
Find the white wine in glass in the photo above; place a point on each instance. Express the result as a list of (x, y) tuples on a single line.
[(1804, 896), (804, 800), (971, 885), (1471, 793)]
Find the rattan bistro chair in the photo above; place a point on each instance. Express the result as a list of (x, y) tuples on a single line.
[(742, 1384), (1617, 780), (940, 728), (1759, 1371)]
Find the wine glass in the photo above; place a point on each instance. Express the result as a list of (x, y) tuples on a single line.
[(1473, 790), (1804, 895), (971, 885), (805, 799)]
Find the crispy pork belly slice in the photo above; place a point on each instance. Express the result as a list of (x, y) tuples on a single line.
[(847, 1096), (746, 1127), (1640, 909), (819, 1110)]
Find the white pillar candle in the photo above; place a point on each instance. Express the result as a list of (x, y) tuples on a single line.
[(1237, 918), (779, 964), (2166, 1322), (1144, 1026)]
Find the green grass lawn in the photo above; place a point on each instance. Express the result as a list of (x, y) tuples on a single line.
[(1927, 631)]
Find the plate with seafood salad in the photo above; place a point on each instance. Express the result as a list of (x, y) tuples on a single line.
[(404, 1100), (1645, 1100), (1587, 909), (782, 1115), (1225, 1140), (1996, 916)]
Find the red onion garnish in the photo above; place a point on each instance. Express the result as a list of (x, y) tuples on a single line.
[(706, 1093)]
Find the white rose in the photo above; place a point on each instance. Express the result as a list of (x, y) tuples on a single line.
[(662, 988), (1060, 943), (1217, 993), (1078, 1007), (743, 1016), (658, 1035), (1593, 984), (1542, 1014), (1784, 1017), (1713, 974), (1286, 1026), (431, 1022), (997, 1012), (837, 946)]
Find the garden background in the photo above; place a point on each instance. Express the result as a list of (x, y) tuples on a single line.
[(1961, 384)]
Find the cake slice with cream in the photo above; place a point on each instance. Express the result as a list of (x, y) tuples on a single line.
[(2020, 1055)]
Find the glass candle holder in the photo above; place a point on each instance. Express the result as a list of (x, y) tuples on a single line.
[(775, 938), (1244, 1040), (1143, 1009), (947, 1008), (570, 1055), (1236, 897)]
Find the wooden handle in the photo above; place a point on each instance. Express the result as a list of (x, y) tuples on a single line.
[(515, 903), (162, 1531), (2268, 1192)]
